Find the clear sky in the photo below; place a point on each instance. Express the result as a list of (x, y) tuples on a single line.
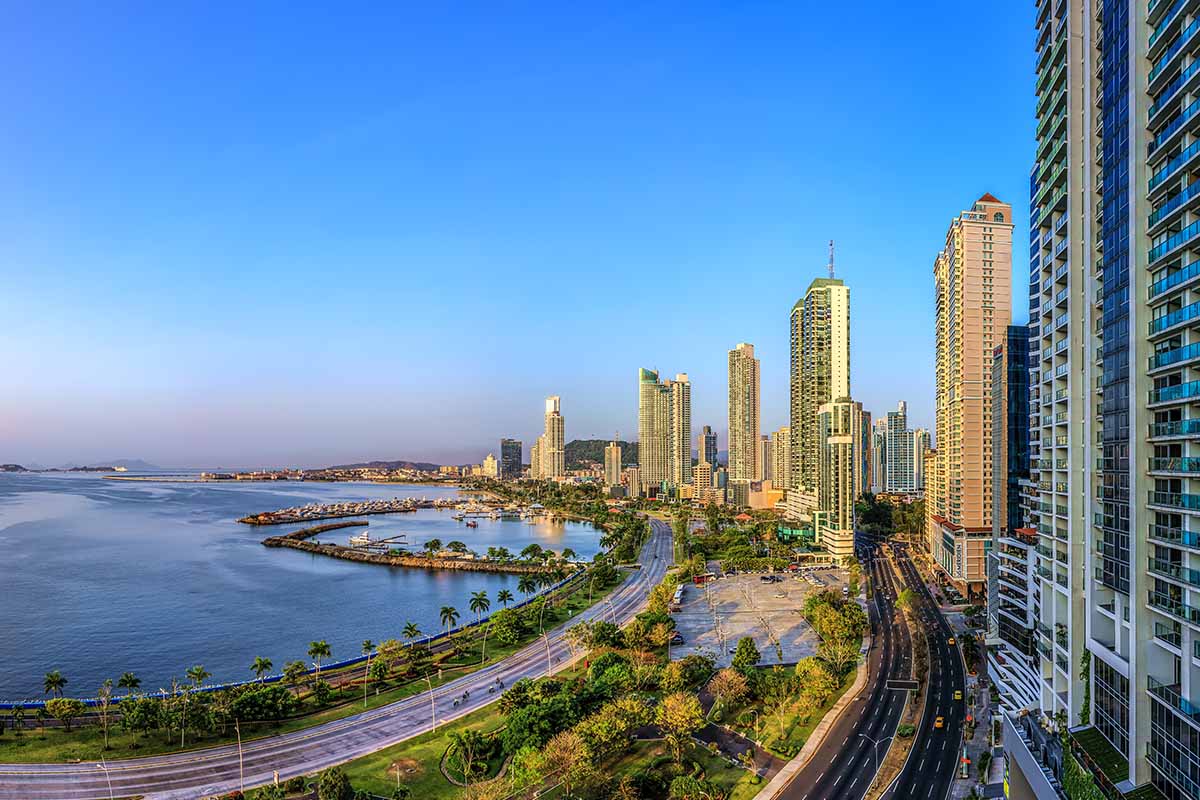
[(286, 236)]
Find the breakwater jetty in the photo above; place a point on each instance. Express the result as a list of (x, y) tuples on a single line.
[(316, 511), (308, 533)]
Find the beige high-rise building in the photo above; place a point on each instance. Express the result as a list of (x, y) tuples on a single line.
[(840, 429), (612, 464), (491, 467), (766, 464), (553, 441), (535, 459), (972, 291), (781, 458), (744, 458), (820, 371), (664, 430)]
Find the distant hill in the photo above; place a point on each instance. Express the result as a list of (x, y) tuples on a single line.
[(424, 466), (12, 468), (580, 451)]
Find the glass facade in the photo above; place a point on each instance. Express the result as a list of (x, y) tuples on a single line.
[(1112, 708)]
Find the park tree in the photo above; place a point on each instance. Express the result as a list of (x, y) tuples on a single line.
[(839, 654), (815, 678), (104, 697), (334, 785), (679, 716), (728, 687), (65, 710), (746, 655), (566, 757)]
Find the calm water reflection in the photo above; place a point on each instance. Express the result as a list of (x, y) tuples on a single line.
[(98, 577)]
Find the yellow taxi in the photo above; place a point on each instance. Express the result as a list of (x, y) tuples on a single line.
[(950, 641), (939, 723), (958, 694)]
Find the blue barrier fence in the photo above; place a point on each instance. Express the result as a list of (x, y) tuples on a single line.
[(35, 704)]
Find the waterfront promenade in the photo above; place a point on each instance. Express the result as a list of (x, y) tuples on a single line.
[(216, 770)]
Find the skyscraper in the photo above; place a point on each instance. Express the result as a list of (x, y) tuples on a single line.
[(664, 430), (1114, 337), (781, 458), (679, 431), (900, 465), (535, 459), (839, 425), (920, 452), (765, 465), (490, 466), (878, 454), (820, 371), (553, 441), (865, 451), (743, 414), (612, 464), (510, 459), (972, 310), (707, 449)]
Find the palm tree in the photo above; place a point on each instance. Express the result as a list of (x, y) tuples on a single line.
[(129, 681), (367, 647), (411, 631), (198, 675), (261, 666), (479, 604), (54, 683), (527, 585), (449, 616), (318, 650), (568, 554), (504, 596)]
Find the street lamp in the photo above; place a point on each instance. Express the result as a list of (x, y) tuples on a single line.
[(875, 747), (241, 764), (107, 777), (432, 707)]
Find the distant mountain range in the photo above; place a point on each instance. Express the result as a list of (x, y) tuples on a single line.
[(424, 466)]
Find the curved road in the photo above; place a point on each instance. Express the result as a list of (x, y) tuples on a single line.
[(200, 773), (845, 764)]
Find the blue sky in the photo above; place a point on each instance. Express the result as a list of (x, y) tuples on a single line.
[(287, 236)]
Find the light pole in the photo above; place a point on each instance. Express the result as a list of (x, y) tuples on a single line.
[(546, 639), (432, 707), (107, 777), (875, 747), (241, 765)]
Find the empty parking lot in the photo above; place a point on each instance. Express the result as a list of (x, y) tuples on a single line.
[(712, 618)]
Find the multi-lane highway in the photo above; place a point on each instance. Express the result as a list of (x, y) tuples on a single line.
[(935, 753), (847, 761), (845, 764), (201, 773)]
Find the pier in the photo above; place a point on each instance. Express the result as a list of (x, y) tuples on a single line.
[(317, 511)]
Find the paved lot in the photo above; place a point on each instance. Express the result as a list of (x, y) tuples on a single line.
[(713, 618)]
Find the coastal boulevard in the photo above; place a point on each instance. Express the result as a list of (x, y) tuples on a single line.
[(211, 771)]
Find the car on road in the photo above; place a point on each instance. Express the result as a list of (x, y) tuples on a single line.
[(958, 694), (950, 641), (939, 722), (676, 638)]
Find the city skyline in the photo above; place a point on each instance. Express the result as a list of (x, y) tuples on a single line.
[(315, 251)]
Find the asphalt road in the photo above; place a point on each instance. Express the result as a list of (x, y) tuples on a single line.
[(200, 773), (846, 763), (930, 768)]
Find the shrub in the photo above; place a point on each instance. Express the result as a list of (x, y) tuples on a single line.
[(905, 731)]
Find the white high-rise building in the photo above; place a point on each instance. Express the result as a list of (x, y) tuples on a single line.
[(781, 458), (553, 444), (491, 467), (766, 464), (840, 427), (820, 371)]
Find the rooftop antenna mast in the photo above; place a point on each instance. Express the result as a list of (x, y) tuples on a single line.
[(831, 259)]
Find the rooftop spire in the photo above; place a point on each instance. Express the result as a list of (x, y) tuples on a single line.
[(831, 259)]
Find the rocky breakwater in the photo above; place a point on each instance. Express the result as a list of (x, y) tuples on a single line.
[(299, 540)]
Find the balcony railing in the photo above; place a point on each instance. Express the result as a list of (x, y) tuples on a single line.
[(1175, 464), (1190, 502), (1170, 695), (1170, 569), (1179, 427), (1182, 391), (1175, 317), (1175, 608), (1174, 241), (1177, 536), (1174, 203), (1179, 354), (1174, 164)]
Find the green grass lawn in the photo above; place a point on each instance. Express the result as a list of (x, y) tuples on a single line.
[(87, 742), (738, 782)]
